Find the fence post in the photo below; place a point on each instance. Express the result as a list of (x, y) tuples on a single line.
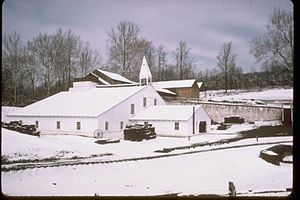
[(292, 117), (231, 188), (282, 113)]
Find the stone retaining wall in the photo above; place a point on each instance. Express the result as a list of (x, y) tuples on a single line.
[(218, 111), (251, 113)]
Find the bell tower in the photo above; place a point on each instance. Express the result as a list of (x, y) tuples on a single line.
[(145, 74)]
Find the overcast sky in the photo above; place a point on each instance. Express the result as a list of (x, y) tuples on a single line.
[(204, 24)]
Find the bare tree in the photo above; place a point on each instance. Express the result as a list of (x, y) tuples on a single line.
[(277, 44), (48, 60), (234, 76), (72, 43), (59, 59), (32, 69), (41, 46), (13, 57), (123, 45), (226, 60), (161, 61), (184, 61), (88, 59), (169, 73)]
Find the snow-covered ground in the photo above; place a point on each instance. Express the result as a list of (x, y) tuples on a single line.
[(191, 174), (68, 146), (250, 97)]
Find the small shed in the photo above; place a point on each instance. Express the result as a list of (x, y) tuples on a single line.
[(102, 77), (182, 88), (175, 120)]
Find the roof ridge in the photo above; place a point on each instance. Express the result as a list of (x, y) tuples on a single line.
[(111, 74), (35, 109), (177, 80)]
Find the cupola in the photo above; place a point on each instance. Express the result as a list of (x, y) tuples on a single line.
[(145, 74)]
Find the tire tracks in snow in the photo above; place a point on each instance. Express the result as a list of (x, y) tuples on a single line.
[(16, 167)]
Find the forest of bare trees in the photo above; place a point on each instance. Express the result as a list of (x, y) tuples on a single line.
[(44, 65), (47, 63)]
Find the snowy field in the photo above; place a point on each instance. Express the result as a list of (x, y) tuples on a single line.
[(195, 173), (67, 146), (250, 97)]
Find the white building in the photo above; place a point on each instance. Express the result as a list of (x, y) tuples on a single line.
[(94, 110), (175, 120), (89, 110), (82, 111)]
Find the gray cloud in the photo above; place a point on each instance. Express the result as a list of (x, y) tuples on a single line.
[(204, 24)]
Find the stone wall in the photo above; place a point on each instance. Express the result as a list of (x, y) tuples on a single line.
[(251, 113), (218, 111)]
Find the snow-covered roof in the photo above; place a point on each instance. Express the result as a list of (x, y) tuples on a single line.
[(166, 112), (199, 84), (174, 84), (165, 91), (88, 103), (145, 71), (115, 76), (118, 85), (101, 79)]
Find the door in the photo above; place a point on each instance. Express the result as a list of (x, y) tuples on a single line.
[(202, 126), (287, 120)]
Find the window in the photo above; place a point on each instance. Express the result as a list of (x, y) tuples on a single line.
[(36, 124), (58, 124), (121, 125), (132, 109), (78, 126), (144, 81), (106, 126), (155, 102), (176, 125), (202, 126), (144, 101)]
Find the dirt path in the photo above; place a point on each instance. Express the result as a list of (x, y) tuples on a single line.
[(23, 166)]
